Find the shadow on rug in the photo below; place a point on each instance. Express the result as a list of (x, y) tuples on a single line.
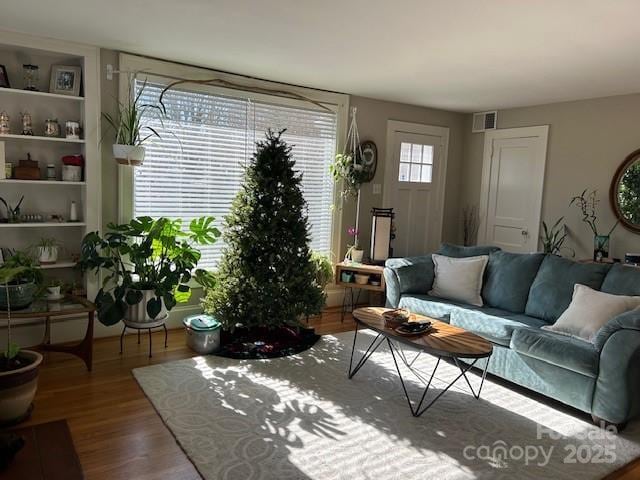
[(299, 417)]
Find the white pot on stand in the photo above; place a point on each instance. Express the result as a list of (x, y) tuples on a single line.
[(137, 314), (132, 155)]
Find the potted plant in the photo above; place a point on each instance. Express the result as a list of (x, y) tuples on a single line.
[(47, 251), (354, 252), (131, 133), (18, 368), (148, 266), (22, 285), (553, 238), (587, 202), (53, 290)]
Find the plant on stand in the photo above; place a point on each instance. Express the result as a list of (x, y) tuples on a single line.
[(18, 368), (131, 132), (148, 265), (588, 202)]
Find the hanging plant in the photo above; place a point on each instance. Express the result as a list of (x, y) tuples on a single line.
[(349, 174)]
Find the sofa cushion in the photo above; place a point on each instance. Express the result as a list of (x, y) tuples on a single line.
[(552, 289), (459, 251), (493, 324), (439, 308), (459, 279), (508, 279), (560, 350), (416, 278), (622, 280), (590, 310)]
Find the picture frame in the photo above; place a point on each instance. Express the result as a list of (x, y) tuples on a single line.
[(65, 80), (4, 77)]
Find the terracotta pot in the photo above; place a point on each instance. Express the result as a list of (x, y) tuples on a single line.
[(17, 389), (129, 154), (138, 313)]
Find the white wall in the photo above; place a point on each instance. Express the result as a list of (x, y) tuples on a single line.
[(588, 140)]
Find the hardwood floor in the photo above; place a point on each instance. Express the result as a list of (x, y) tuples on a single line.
[(116, 431)]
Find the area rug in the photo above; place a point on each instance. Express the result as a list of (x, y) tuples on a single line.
[(299, 417)]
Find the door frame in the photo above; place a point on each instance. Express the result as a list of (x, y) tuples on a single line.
[(541, 131), (396, 126)]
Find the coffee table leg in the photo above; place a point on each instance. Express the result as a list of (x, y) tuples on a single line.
[(419, 409), (370, 349), (464, 374)]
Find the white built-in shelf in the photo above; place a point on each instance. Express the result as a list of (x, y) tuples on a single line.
[(37, 137), (39, 182), (63, 264), (17, 91), (41, 224)]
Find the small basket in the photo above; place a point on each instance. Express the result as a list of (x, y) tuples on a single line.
[(395, 318)]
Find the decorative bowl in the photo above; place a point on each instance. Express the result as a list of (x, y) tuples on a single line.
[(395, 318), (362, 279), (20, 296)]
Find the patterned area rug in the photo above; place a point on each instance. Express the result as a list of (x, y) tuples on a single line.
[(299, 417)]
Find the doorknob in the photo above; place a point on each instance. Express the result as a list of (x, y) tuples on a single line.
[(525, 233)]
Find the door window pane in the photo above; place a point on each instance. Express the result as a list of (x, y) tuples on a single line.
[(416, 163)]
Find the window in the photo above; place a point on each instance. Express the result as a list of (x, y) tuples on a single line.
[(197, 167), (416, 163)]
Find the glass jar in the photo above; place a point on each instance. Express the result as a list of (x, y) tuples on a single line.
[(27, 126), (30, 76), (51, 172), (5, 129), (51, 128)]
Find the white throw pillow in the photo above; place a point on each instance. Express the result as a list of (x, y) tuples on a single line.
[(459, 278), (589, 310)]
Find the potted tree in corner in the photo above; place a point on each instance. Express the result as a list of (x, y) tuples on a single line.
[(147, 266), (131, 133), (18, 368)]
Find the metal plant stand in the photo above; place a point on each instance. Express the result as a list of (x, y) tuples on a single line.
[(149, 326)]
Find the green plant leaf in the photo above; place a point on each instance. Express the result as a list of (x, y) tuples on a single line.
[(12, 351), (133, 297)]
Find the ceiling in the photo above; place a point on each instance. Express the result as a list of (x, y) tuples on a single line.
[(463, 55)]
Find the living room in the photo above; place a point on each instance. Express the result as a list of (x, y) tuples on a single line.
[(316, 241)]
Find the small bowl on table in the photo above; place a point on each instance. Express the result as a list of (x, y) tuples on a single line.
[(362, 279), (395, 318)]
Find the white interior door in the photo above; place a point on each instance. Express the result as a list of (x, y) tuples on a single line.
[(512, 187), (414, 185)]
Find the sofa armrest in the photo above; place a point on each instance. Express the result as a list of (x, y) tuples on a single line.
[(407, 275), (617, 394), (625, 321)]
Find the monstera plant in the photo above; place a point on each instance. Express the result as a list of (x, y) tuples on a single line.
[(148, 266)]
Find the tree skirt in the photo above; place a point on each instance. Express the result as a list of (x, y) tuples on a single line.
[(299, 417), (263, 343)]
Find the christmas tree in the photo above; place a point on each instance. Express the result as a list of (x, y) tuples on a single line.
[(266, 277)]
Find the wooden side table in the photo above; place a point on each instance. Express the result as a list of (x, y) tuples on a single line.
[(375, 272), (68, 306)]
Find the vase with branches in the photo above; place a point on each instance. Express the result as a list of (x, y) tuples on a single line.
[(588, 202)]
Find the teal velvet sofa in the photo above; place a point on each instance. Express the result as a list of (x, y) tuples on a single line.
[(522, 293)]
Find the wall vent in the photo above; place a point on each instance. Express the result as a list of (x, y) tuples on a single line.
[(484, 121)]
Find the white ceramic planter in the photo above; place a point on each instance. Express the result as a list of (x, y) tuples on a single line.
[(17, 389), (138, 313), (53, 293), (47, 255), (357, 255), (132, 155)]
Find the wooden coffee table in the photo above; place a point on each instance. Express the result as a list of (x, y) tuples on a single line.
[(443, 341)]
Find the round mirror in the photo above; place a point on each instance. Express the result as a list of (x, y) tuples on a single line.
[(625, 192)]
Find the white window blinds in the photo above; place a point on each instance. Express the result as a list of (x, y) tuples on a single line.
[(196, 168)]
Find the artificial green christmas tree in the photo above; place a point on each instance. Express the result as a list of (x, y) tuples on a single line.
[(266, 277)]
